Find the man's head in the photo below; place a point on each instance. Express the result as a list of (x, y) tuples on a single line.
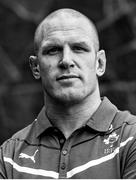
[(67, 58)]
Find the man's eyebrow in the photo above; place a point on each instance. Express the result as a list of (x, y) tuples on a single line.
[(50, 44), (82, 44), (71, 43)]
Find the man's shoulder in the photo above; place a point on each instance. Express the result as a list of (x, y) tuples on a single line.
[(26, 135), (125, 117), (118, 116), (127, 122), (25, 132)]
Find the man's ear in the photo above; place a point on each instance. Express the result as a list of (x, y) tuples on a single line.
[(34, 65), (100, 63)]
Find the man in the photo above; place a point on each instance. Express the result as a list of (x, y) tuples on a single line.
[(77, 134)]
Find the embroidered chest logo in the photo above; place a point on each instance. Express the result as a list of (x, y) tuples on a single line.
[(26, 156), (111, 139)]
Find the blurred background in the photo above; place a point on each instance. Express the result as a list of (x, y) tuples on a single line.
[(21, 96)]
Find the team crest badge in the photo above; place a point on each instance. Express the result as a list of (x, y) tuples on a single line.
[(111, 139)]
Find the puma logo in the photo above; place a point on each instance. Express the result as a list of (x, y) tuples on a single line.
[(23, 155)]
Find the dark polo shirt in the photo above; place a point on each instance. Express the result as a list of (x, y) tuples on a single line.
[(104, 148)]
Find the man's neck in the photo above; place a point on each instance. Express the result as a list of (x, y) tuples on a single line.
[(69, 118)]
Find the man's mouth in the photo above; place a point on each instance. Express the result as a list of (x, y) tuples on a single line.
[(67, 77)]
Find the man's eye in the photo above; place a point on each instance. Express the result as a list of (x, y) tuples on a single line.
[(78, 49), (51, 51)]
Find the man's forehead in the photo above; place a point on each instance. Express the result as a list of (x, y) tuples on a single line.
[(64, 35), (66, 29)]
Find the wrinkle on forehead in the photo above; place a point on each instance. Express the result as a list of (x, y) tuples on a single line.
[(62, 19)]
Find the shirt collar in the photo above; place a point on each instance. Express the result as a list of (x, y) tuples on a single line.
[(42, 123), (101, 120)]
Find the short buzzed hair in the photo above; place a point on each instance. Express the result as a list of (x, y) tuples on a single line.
[(39, 34)]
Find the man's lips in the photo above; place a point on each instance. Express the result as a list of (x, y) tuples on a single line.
[(66, 76)]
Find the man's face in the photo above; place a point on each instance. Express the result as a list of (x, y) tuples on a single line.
[(67, 60)]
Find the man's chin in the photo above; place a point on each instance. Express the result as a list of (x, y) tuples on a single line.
[(73, 96), (69, 99)]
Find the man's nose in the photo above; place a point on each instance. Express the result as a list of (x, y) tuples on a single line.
[(67, 60)]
